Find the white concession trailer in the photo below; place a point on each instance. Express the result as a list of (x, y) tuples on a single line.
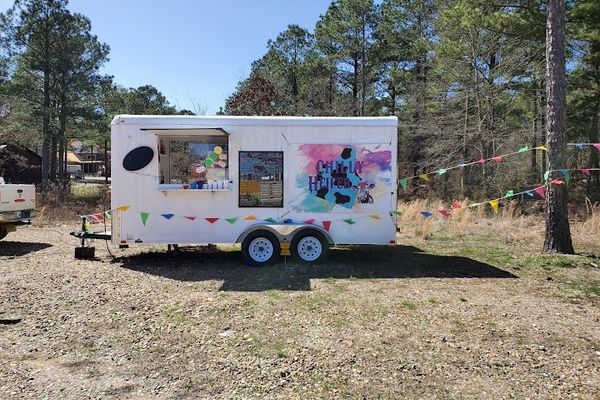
[(277, 185)]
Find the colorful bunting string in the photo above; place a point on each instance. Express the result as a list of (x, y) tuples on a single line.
[(403, 182)]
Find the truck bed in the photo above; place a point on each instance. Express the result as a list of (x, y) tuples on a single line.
[(15, 198)]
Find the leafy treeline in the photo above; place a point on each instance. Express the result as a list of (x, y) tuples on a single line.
[(466, 79), (51, 87)]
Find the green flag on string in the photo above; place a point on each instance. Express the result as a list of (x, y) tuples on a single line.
[(523, 149), (566, 175), (395, 212), (546, 176), (441, 171), (144, 217), (404, 183), (231, 220), (270, 220), (510, 193), (349, 221)]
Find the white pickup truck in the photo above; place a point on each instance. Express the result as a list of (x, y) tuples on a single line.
[(17, 206)]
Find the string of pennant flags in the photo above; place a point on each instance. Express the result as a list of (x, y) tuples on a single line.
[(89, 220), (403, 182), (97, 218)]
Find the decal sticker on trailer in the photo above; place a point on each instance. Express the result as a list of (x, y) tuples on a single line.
[(338, 177)]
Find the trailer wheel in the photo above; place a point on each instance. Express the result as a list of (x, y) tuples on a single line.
[(260, 248), (3, 232), (309, 246)]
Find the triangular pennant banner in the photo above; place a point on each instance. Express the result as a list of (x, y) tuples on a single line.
[(250, 218), (523, 149), (190, 217), (510, 193), (144, 217), (426, 214), (566, 175), (445, 213), (541, 192), (494, 205), (87, 226), (498, 159), (349, 221), (270, 220), (546, 176), (212, 220), (404, 183), (461, 165), (231, 220), (374, 216), (123, 208), (456, 205), (481, 161), (529, 193), (579, 146), (309, 221), (597, 146), (557, 182), (585, 171), (395, 212), (326, 225), (424, 177), (543, 148), (168, 216), (441, 171), (107, 214)]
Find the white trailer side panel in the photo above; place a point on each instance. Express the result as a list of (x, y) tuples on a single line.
[(311, 148)]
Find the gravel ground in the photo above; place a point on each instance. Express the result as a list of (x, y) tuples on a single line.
[(370, 323)]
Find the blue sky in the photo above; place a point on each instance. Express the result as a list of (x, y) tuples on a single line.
[(195, 52)]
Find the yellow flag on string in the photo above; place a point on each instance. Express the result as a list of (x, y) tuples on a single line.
[(543, 148), (494, 204), (123, 208), (374, 216), (424, 177)]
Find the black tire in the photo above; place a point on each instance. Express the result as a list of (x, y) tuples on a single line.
[(252, 257), (305, 255), (3, 232)]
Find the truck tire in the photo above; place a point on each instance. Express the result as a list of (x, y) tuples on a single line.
[(309, 246), (260, 248), (3, 232)]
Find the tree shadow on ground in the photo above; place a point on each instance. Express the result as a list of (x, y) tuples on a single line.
[(360, 262), (14, 249)]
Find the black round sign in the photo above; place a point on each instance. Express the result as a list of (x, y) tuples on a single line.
[(138, 158)]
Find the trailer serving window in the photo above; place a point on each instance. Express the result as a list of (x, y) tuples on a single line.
[(261, 179), (194, 162)]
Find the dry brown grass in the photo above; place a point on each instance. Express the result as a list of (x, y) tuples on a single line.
[(510, 224)]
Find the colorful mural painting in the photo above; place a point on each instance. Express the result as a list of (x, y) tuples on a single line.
[(340, 177)]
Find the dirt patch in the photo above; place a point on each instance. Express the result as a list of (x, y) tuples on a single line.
[(444, 318)]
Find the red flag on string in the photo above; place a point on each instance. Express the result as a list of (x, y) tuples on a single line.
[(585, 171), (557, 182), (481, 161), (541, 192), (497, 159), (309, 221), (212, 220), (326, 225), (444, 212), (191, 218), (456, 205), (597, 146)]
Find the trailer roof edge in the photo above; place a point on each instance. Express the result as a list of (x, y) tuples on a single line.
[(182, 121)]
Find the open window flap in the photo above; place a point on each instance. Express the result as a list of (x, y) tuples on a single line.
[(187, 131)]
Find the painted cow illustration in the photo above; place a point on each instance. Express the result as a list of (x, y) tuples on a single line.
[(363, 192)]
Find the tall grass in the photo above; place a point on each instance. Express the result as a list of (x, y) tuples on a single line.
[(510, 224)]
